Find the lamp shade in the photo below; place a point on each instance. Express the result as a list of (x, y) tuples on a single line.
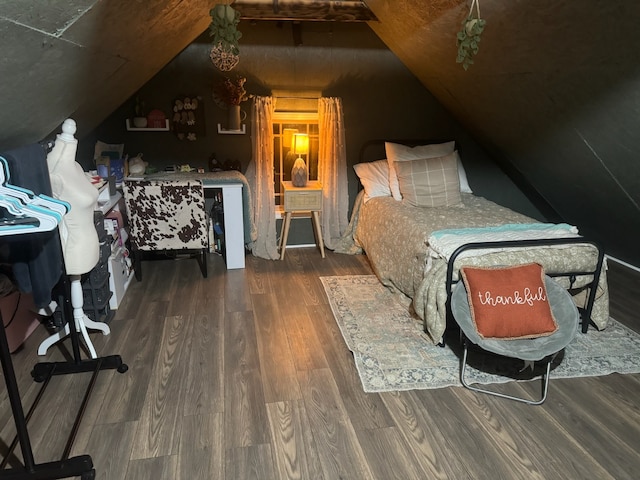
[(300, 143), (287, 137)]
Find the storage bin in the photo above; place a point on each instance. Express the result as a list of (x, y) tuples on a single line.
[(101, 294), (99, 274), (120, 274)]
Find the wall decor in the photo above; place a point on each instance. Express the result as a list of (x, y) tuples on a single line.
[(468, 37), (229, 94), (188, 117), (225, 35), (156, 119)]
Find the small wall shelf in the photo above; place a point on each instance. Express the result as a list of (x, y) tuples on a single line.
[(161, 129), (242, 131)]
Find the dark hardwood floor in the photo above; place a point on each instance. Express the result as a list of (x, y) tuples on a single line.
[(245, 375)]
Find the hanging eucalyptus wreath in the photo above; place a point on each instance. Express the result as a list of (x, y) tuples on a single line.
[(225, 36), (468, 37)]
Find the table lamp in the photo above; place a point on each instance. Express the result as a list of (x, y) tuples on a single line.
[(300, 172)]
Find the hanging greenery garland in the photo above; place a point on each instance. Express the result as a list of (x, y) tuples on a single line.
[(468, 38), (225, 36)]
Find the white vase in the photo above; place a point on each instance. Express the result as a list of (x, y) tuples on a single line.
[(299, 173), (140, 122)]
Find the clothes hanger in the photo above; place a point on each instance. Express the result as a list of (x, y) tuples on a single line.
[(26, 212), (21, 217), (26, 217), (27, 196), (55, 204), (12, 219), (23, 203), (11, 204)]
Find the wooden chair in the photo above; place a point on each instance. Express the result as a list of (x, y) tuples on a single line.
[(166, 216)]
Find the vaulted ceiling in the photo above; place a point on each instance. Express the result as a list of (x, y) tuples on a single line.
[(554, 93)]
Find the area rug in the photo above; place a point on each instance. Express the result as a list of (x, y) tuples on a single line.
[(392, 352)]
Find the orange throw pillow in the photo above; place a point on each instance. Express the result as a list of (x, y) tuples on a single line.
[(509, 302)]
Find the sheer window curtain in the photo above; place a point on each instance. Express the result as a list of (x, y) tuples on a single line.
[(332, 170), (260, 178)]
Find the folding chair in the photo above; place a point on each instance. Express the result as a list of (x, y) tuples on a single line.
[(529, 350)]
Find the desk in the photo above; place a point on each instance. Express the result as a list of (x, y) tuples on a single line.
[(233, 221), (301, 199)]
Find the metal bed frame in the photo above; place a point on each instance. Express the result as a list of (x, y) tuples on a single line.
[(585, 311)]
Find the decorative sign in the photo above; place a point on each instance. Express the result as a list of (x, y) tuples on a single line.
[(188, 118)]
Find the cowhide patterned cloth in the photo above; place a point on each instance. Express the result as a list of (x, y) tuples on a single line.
[(166, 214), (218, 179)]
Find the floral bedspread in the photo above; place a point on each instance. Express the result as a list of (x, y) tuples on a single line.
[(395, 238)]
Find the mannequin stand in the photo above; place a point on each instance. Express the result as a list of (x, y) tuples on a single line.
[(78, 235), (82, 322)]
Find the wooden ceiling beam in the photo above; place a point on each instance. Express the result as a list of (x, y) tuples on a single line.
[(305, 10)]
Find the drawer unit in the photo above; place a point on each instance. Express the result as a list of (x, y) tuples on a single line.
[(120, 275), (96, 298), (306, 198), (301, 199)]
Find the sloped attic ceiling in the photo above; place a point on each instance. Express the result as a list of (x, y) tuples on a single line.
[(554, 93), (84, 58)]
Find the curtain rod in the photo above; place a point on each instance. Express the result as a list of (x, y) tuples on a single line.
[(296, 98)]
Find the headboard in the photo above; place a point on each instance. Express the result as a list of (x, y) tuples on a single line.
[(373, 150)]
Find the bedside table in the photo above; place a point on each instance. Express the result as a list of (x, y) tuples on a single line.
[(301, 199)]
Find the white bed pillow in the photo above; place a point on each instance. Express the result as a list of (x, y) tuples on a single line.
[(374, 177), (462, 175), (429, 182), (402, 153)]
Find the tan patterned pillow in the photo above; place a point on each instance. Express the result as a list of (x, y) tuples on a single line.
[(402, 153), (429, 182)]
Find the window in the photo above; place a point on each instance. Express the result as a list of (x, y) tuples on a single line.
[(284, 125)]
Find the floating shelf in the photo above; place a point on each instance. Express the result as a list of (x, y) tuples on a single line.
[(146, 129), (242, 131)]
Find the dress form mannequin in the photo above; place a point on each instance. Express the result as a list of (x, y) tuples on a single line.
[(80, 244)]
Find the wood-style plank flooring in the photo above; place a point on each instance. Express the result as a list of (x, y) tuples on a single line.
[(245, 375)]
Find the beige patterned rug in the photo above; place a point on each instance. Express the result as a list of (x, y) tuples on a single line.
[(392, 352)]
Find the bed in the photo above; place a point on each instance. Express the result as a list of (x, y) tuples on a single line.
[(417, 243)]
